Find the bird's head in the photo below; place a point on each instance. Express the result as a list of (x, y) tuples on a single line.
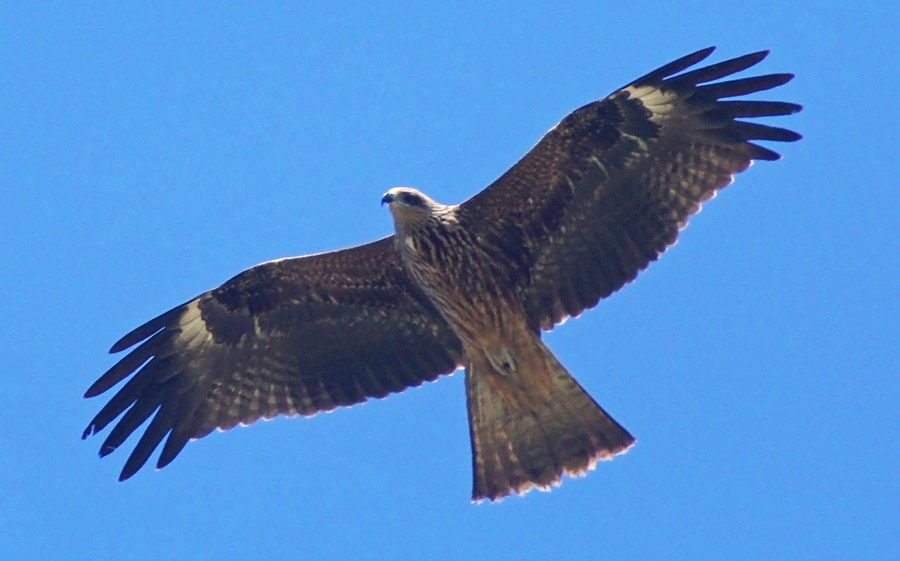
[(409, 205), (406, 197)]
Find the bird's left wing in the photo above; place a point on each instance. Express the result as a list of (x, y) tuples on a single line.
[(607, 190), (289, 337)]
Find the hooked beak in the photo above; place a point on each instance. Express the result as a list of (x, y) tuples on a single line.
[(387, 199)]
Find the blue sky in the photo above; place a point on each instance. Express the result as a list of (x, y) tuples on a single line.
[(151, 151)]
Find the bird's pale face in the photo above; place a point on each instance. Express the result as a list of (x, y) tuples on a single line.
[(408, 205), (405, 197)]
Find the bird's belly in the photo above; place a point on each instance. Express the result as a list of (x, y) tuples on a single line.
[(473, 298)]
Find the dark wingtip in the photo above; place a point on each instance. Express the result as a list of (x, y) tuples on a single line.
[(744, 86), (144, 331), (173, 446), (125, 341), (674, 67), (94, 390), (793, 108), (701, 54), (106, 450), (784, 78), (744, 62), (130, 339), (758, 131), (758, 152), (132, 465), (758, 56)]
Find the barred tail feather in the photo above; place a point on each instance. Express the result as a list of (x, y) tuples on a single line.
[(541, 425)]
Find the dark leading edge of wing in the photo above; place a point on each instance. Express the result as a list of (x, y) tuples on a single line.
[(607, 190), (294, 336)]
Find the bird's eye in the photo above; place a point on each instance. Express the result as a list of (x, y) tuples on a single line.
[(411, 199)]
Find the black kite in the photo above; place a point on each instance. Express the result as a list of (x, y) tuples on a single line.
[(603, 194)]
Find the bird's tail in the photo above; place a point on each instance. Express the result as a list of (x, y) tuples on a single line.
[(531, 422)]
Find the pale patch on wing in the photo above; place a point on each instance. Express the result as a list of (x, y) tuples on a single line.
[(193, 329), (660, 103)]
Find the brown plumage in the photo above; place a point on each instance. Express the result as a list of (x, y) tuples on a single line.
[(603, 194)]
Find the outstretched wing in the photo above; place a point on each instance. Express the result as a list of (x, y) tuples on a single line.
[(293, 337), (607, 190)]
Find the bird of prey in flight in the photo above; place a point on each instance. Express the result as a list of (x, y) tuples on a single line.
[(470, 286)]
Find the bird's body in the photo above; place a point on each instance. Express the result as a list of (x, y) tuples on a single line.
[(602, 195), (467, 285), (530, 421)]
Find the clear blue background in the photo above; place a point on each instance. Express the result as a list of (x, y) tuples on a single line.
[(150, 151)]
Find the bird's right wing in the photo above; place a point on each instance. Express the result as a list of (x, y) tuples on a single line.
[(287, 337), (607, 190)]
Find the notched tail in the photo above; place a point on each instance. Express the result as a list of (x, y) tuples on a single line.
[(531, 426)]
